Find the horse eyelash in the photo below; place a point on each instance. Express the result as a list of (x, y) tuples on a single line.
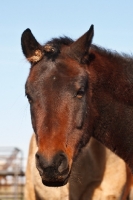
[(80, 93)]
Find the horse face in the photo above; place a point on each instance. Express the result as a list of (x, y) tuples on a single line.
[(58, 93)]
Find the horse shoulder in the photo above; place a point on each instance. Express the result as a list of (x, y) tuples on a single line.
[(101, 175)]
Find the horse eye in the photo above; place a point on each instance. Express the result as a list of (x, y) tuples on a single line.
[(80, 93)]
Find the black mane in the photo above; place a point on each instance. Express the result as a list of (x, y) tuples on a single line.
[(113, 55), (57, 43)]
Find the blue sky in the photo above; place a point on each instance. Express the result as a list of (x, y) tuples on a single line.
[(113, 24)]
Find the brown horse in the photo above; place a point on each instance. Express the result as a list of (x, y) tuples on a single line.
[(77, 90), (98, 174)]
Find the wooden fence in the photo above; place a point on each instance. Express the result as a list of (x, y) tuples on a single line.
[(12, 177)]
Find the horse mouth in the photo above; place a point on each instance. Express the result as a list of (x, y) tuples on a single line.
[(55, 183)]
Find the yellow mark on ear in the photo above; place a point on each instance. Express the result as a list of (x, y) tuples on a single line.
[(48, 48), (36, 57)]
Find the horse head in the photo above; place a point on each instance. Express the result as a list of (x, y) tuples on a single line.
[(59, 94)]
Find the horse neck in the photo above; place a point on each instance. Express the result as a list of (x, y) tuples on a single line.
[(111, 86)]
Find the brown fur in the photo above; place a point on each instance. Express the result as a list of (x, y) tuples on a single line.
[(77, 90)]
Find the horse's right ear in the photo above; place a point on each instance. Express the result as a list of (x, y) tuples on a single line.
[(31, 48)]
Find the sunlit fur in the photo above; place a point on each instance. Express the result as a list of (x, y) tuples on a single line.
[(98, 174)]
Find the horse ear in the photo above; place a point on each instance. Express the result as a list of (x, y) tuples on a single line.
[(30, 47), (79, 49)]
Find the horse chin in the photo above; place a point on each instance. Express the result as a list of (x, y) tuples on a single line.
[(55, 183)]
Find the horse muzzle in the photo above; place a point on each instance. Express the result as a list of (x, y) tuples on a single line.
[(54, 171)]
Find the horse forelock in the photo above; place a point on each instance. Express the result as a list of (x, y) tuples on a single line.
[(53, 47)]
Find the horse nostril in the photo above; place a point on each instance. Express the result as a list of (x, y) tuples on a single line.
[(63, 163), (39, 165), (37, 156)]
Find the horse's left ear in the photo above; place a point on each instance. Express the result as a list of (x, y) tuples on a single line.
[(80, 48), (31, 48)]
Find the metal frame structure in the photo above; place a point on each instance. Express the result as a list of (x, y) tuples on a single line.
[(11, 173)]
